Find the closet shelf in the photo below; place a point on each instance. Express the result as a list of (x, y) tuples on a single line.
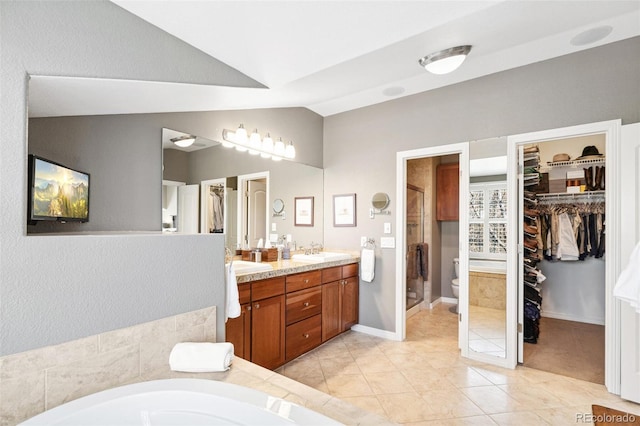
[(573, 163), (588, 195)]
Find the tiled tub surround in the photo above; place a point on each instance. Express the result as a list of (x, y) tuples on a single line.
[(487, 290), (34, 381)]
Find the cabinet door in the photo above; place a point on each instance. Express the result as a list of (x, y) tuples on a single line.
[(447, 191), (331, 321), (267, 332), (349, 302), (238, 332)]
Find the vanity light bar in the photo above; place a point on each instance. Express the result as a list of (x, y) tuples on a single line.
[(266, 147)]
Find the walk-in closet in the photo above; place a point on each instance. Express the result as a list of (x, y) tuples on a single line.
[(562, 228)]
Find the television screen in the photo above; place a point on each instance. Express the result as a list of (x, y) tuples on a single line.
[(57, 192)]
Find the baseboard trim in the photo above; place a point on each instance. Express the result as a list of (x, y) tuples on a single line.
[(555, 315), (389, 335)]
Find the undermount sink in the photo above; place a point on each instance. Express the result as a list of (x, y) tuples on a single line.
[(323, 256), (246, 267)]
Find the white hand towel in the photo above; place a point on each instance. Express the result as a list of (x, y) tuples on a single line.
[(367, 264), (627, 287), (232, 307), (201, 357), (260, 243)]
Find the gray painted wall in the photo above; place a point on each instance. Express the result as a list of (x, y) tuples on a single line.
[(360, 146), (58, 288)]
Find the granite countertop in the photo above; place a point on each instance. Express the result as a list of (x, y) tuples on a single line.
[(286, 267)]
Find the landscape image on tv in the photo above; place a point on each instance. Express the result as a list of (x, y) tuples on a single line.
[(59, 192)]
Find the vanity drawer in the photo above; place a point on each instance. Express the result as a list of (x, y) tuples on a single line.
[(331, 274), (303, 304), (244, 290), (267, 288), (350, 270), (303, 336), (304, 280)]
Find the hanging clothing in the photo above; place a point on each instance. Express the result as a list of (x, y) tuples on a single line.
[(567, 247)]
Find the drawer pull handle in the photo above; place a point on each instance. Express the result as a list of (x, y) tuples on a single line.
[(306, 304), (257, 306), (248, 308), (305, 335), (306, 281)]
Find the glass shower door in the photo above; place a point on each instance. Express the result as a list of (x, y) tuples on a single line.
[(415, 235)]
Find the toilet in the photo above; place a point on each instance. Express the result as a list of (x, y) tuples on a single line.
[(455, 283)]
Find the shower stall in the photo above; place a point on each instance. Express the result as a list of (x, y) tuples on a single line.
[(415, 235)]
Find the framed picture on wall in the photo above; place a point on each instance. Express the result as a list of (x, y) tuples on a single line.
[(344, 210), (303, 211)]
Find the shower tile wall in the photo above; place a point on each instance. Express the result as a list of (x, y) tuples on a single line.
[(34, 381), (422, 173)]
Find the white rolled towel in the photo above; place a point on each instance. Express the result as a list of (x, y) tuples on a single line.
[(201, 357)]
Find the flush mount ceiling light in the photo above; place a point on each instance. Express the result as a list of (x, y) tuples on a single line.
[(183, 141), (445, 61), (591, 35), (253, 143)]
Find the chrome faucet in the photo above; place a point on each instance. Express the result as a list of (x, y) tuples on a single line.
[(315, 248)]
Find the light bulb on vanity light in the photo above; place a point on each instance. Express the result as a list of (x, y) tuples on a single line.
[(255, 143), (267, 146), (228, 138), (290, 151), (240, 138), (278, 149)]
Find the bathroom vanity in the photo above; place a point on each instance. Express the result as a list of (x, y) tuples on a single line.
[(287, 311)]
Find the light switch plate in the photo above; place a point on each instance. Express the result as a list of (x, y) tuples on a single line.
[(363, 241), (387, 227), (387, 242), (274, 228)]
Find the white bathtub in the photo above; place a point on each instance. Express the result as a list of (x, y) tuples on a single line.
[(489, 266), (180, 402)]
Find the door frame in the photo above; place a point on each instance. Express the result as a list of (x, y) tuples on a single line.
[(462, 149), (612, 132), (242, 180)]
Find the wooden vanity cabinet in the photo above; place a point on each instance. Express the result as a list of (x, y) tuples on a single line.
[(339, 299), (258, 334), (268, 322), (447, 191), (238, 330), (284, 317), (304, 313)]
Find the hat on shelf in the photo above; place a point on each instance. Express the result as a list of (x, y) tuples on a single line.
[(589, 153), (561, 157)]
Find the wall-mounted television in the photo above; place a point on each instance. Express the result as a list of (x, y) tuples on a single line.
[(57, 192)]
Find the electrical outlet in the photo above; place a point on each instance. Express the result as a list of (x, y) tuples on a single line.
[(273, 227), (387, 227), (363, 241)]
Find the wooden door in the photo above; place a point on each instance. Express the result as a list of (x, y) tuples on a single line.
[(447, 191), (331, 320), (256, 211), (349, 308), (188, 202), (268, 331), (238, 332)]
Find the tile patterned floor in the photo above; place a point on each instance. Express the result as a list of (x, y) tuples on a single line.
[(424, 380)]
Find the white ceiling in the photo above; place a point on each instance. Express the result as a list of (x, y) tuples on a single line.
[(335, 56)]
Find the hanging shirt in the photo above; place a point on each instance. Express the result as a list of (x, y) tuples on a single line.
[(567, 247)]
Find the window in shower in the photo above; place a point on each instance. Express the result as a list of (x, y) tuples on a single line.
[(488, 220)]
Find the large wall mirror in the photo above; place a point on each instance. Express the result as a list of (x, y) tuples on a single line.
[(488, 246), (246, 187)]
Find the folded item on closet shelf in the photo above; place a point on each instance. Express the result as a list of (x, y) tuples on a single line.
[(530, 262), (530, 149), (530, 229), (201, 357), (531, 243), (531, 213)]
